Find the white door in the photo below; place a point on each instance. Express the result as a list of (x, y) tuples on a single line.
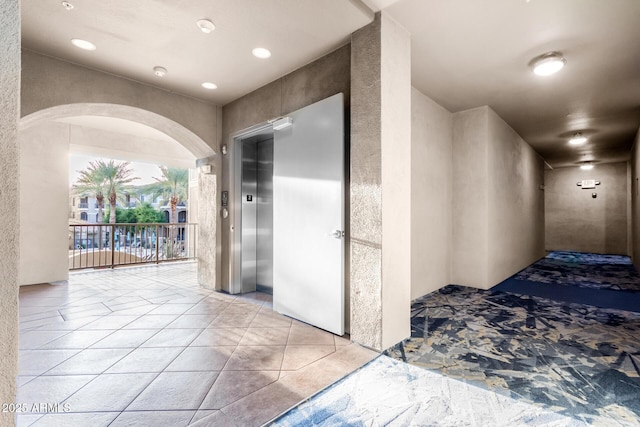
[(308, 216)]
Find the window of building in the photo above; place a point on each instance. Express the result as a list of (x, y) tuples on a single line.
[(84, 216)]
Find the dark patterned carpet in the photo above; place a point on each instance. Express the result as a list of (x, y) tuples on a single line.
[(575, 359)]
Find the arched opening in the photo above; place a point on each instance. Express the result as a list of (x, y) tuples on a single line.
[(47, 138)]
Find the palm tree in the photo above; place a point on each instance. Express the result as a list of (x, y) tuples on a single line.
[(116, 178), (173, 186), (90, 183)]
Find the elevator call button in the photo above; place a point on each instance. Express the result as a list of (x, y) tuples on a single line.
[(249, 197)]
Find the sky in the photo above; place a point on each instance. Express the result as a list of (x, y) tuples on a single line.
[(146, 171)]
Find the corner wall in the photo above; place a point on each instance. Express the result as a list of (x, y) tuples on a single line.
[(44, 203), (498, 207), (635, 201), (9, 200), (431, 194)]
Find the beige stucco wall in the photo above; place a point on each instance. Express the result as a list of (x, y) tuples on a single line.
[(498, 206), (431, 194), (48, 82), (516, 202), (635, 201), (470, 220), (576, 221), (44, 203), (9, 200), (380, 183)]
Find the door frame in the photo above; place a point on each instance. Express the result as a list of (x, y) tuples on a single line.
[(235, 202)]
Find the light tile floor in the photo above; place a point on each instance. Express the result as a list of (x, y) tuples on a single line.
[(147, 346)]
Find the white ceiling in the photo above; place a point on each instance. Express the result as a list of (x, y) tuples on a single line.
[(466, 53)]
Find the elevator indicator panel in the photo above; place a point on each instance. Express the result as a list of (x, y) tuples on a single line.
[(249, 197)]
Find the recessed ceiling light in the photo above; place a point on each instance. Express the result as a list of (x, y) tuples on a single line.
[(83, 44), (209, 85), (261, 53), (549, 63), (586, 167), (205, 26), (159, 71), (67, 5), (578, 139)]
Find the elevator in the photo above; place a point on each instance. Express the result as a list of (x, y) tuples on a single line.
[(286, 213), (256, 199)]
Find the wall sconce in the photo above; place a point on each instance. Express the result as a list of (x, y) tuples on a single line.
[(224, 149)]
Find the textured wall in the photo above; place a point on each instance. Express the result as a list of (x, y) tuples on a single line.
[(516, 203), (380, 183), (49, 82), (44, 181), (9, 226), (432, 198), (470, 198), (207, 216), (576, 221), (316, 81), (498, 208), (635, 201)]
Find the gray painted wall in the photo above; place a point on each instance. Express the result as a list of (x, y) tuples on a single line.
[(9, 195), (431, 194), (498, 208), (576, 221)]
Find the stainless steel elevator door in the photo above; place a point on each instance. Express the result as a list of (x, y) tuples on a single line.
[(249, 215), (308, 216)]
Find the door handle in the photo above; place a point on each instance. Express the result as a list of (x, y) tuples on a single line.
[(337, 234)]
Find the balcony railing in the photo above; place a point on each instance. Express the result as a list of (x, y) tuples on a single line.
[(83, 205), (112, 245)]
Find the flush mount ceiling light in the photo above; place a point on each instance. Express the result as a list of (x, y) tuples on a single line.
[(206, 26), (67, 5), (83, 44), (586, 166), (261, 53), (209, 85), (578, 139), (547, 64), (159, 71)]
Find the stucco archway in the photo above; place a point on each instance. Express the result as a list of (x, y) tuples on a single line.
[(45, 139)]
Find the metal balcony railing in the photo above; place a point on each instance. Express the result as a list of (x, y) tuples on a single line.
[(83, 205), (112, 245)]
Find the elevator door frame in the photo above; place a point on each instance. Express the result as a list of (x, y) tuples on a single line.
[(235, 201)]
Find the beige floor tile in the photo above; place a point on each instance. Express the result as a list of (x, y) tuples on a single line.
[(303, 334), (93, 419), (269, 319), (125, 338), (256, 358), (171, 308), (201, 359), (145, 360), (234, 385), (151, 321), (36, 362), (109, 392), (51, 389), (153, 418), (299, 356), (265, 336), (192, 321), (78, 339), (173, 338), (89, 361), (33, 339), (111, 321), (219, 336), (213, 418), (175, 391)]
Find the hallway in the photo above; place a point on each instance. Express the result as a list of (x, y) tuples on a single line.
[(506, 358), (148, 346)]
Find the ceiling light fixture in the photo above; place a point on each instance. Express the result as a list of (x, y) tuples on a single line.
[(67, 5), (83, 44), (578, 139), (159, 71), (206, 26), (209, 85), (549, 63), (587, 166), (261, 53)]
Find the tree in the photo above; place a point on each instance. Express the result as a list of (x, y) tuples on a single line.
[(90, 183), (173, 186), (145, 213), (116, 177)]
